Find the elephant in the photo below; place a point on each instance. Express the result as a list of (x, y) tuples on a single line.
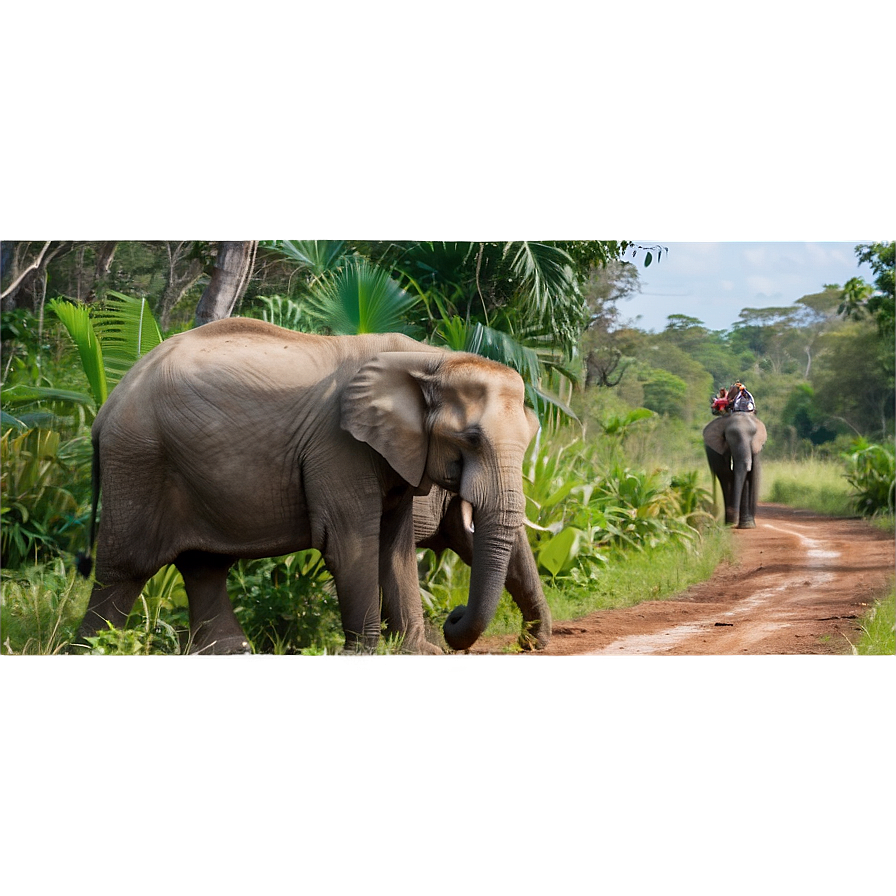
[(443, 520), (240, 439), (733, 443)]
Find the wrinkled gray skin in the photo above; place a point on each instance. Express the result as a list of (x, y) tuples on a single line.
[(442, 521), (733, 443), (241, 439)]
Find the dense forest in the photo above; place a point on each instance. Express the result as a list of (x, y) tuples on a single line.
[(626, 403)]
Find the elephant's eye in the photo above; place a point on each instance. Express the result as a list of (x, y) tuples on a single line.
[(471, 437)]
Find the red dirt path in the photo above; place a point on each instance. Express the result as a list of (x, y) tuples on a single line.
[(801, 584)]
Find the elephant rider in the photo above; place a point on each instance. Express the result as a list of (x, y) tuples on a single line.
[(720, 405), (741, 399)]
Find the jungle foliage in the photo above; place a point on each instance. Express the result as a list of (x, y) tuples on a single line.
[(617, 471)]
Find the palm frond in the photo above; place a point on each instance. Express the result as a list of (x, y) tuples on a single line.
[(76, 319), (545, 275), (452, 333), (284, 312), (22, 394), (501, 346), (360, 298), (317, 256), (127, 330), (544, 402)]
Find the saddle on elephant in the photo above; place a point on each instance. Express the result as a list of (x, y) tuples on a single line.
[(740, 399), (736, 399)]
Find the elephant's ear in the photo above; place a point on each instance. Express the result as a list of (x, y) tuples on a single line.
[(384, 406), (714, 435), (760, 436)]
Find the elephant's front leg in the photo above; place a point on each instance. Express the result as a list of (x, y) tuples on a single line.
[(747, 518), (524, 585), (352, 559), (720, 464), (402, 608)]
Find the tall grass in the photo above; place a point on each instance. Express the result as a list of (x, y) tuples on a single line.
[(879, 628), (811, 484), (41, 608), (636, 576)]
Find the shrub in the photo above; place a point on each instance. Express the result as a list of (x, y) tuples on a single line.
[(578, 511), (872, 475), (40, 514), (40, 608), (146, 632), (287, 604)]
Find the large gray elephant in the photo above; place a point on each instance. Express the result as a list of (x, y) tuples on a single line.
[(242, 439), (733, 443), (443, 520)]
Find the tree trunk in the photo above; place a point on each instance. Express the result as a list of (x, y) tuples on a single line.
[(23, 279), (177, 283), (233, 269), (105, 252)]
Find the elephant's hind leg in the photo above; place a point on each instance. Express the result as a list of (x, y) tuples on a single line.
[(213, 625), (110, 604)]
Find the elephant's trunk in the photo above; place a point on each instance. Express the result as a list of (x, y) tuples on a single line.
[(737, 491), (495, 533), (742, 463)]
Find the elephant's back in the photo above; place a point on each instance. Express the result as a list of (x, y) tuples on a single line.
[(238, 368), (245, 345)]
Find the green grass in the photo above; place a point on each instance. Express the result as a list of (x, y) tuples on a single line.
[(879, 628), (811, 484), (41, 608), (637, 576)]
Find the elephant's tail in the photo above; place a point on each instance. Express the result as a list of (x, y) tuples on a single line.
[(83, 561)]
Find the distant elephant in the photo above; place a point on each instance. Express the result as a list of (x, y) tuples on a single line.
[(240, 439), (443, 520), (733, 444)]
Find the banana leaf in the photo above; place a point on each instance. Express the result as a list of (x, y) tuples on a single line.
[(76, 319)]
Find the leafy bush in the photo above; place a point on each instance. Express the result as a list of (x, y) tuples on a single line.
[(40, 608), (287, 604), (872, 474), (146, 633), (40, 514), (578, 512)]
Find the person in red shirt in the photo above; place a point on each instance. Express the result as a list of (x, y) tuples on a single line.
[(720, 403)]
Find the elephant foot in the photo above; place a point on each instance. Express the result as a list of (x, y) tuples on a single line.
[(528, 642), (428, 648), (419, 646), (747, 524), (535, 634), (226, 646)]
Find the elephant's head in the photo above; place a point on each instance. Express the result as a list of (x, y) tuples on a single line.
[(457, 420)]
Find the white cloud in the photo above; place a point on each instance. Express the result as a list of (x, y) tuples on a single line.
[(755, 256), (761, 285)]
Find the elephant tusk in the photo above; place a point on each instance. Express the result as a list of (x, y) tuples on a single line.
[(466, 512)]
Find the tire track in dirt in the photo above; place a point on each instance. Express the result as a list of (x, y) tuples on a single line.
[(755, 617)]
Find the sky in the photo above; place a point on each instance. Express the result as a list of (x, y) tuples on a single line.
[(714, 281)]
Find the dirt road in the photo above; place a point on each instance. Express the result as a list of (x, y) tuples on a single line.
[(800, 585)]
